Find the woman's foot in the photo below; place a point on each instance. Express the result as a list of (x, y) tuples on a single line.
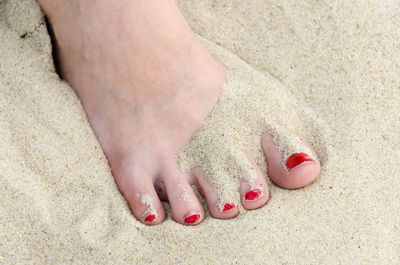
[(146, 84)]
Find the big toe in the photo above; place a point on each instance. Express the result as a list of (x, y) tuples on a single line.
[(291, 161)]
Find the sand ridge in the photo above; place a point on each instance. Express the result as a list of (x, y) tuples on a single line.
[(247, 107)]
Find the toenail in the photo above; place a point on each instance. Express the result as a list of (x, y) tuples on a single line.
[(253, 195), (150, 218), (228, 207), (297, 159), (192, 219)]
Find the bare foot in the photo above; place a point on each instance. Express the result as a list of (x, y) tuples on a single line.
[(146, 84)]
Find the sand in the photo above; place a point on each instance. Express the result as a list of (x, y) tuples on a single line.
[(329, 69)]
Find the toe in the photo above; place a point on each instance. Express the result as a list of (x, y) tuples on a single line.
[(228, 209), (291, 162), (254, 194), (142, 198), (185, 206)]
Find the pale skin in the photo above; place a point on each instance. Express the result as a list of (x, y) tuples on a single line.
[(147, 84)]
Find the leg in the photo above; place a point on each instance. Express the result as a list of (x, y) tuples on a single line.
[(146, 84)]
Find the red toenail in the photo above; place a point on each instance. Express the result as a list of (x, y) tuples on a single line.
[(252, 195), (297, 159), (228, 207), (150, 218), (192, 219)]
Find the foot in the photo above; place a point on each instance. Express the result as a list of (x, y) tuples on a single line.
[(146, 85)]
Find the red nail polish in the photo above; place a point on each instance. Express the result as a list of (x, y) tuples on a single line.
[(228, 207), (297, 159), (192, 219), (252, 195), (150, 218)]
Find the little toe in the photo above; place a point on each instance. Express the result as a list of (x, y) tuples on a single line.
[(142, 199), (255, 194), (228, 209), (297, 165), (185, 206)]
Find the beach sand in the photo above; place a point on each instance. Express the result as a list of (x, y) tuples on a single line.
[(328, 69)]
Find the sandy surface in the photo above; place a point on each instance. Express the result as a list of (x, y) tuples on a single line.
[(335, 65)]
